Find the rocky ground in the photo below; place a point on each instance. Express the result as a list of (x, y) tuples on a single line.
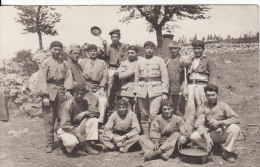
[(22, 137)]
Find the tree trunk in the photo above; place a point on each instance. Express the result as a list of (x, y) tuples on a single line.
[(159, 37), (40, 39)]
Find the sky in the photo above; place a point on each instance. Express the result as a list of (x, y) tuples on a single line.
[(76, 22)]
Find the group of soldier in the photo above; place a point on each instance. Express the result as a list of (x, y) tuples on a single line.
[(157, 103)]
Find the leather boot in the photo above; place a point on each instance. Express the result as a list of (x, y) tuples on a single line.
[(88, 149)]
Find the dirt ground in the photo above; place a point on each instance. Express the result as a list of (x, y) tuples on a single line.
[(239, 87)]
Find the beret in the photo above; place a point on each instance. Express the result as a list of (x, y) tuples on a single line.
[(122, 102), (132, 47), (91, 47), (197, 43), (56, 44), (167, 103), (175, 45), (74, 47), (114, 31), (149, 43)]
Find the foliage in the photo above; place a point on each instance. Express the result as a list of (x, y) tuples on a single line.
[(38, 19), (162, 17)]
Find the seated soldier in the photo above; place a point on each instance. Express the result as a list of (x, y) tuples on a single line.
[(78, 124), (122, 129), (216, 123), (165, 132)]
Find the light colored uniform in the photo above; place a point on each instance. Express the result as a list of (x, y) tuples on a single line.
[(151, 81), (201, 72), (165, 132), (96, 74), (226, 135), (117, 126), (72, 132)]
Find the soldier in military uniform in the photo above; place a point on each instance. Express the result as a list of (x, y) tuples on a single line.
[(126, 73), (115, 54), (122, 129), (176, 78), (50, 87), (201, 71), (96, 74), (166, 130), (151, 85)]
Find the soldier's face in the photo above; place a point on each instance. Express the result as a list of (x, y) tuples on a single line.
[(148, 50), (174, 51), (92, 54), (78, 95), (198, 51), (122, 111), (74, 55), (167, 111), (56, 52), (115, 38), (212, 97), (132, 54)]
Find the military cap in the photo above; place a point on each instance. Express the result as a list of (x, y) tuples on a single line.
[(197, 43), (122, 102), (56, 44), (149, 43), (175, 45), (167, 103), (114, 31), (132, 47), (78, 87), (91, 47), (74, 47)]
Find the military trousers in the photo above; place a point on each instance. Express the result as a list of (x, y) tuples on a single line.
[(102, 103), (227, 137)]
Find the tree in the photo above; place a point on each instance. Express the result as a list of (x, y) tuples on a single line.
[(162, 17), (38, 19)]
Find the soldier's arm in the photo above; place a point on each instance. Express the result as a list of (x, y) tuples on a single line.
[(137, 77), (164, 76), (232, 117), (135, 126), (155, 134), (123, 73), (212, 71), (200, 121), (41, 87), (104, 80), (109, 126)]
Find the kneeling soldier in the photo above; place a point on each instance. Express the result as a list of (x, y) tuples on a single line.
[(122, 129), (165, 132), (78, 125)]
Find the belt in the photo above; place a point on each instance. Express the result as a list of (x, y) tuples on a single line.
[(147, 79), (194, 81), (120, 132), (56, 82), (93, 82), (111, 65)]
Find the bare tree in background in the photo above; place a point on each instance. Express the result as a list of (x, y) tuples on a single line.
[(162, 17), (38, 19)]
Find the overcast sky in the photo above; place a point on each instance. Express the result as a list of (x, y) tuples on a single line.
[(76, 22)]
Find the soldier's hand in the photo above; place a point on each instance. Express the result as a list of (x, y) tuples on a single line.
[(104, 42), (68, 95), (164, 97), (156, 146), (182, 140), (216, 124)]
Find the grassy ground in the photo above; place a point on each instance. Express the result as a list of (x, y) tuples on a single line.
[(239, 87)]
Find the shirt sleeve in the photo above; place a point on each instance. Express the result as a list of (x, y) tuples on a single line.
[(123, 73), (41, 87), (212, 71), (137, 76), (155, 134), (104, 80), (200, 121), (66, 118), (135, 126), (164, 76), (110, 126), (232, 117)]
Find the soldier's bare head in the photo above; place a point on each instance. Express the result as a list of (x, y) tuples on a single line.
[(211, 93), (198, 48), (92, 51), (167, 109), (149, 49)]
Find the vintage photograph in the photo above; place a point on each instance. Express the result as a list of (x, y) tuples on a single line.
[(129, 85)]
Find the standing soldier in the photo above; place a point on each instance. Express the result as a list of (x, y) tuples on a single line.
[(126, 74), (201, 71), (115, 54), (96, 75), (151, 85), (50, 87), (176, 78)]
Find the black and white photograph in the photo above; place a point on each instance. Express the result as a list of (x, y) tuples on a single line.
[(129, 85)]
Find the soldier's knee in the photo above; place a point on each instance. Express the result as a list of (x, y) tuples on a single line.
[(195, 136), (233, 128)]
